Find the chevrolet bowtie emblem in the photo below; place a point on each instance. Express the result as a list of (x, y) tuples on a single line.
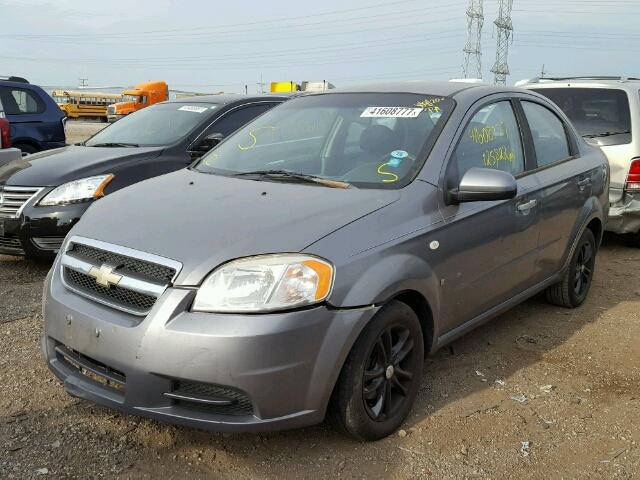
[(104, 275)]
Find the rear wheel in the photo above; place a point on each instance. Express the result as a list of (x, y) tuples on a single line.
[(381, 376), (572, 290)]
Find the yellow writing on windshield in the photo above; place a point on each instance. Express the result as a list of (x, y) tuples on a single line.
[(390, 176), (210, 159), (431, 104), (254, 139)]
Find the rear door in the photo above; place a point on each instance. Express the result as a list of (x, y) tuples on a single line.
[(565, 180), (489, 249)]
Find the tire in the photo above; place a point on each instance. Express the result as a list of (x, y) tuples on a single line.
[(373, 414), (574, 287), (26, 148), (634, 240)]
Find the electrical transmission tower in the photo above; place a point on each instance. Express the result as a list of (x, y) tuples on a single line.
[(475, 19), (505, 29)]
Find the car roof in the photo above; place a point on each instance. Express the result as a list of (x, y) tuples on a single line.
[(227, 98), (441, 88), (624, 83)]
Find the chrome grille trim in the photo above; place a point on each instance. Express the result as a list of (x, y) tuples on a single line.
[(14, 199), (48, 243), (138, 285)]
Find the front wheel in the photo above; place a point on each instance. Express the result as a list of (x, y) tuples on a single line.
[(572, 290), (381, 376)]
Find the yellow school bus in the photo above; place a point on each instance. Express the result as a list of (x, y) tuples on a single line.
[(85, 104)]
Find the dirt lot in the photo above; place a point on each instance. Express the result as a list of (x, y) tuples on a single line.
[(80, 130), (567, 382), (577, 374)]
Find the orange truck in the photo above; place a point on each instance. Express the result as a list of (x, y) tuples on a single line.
[(137, 98)]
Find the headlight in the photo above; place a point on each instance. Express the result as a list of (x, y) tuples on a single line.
[(265, 283), (77, 191)]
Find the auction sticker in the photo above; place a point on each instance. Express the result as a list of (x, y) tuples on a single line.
[(391, 112), (193, 108)]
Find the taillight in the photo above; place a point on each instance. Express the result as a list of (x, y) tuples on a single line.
[(5, 137), (633, 178)]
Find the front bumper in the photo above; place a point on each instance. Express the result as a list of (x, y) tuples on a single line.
[(283, 365), (39, 231), (624, 215)]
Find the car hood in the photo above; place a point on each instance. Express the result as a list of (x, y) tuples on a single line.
[(55, 167), (205, 220)]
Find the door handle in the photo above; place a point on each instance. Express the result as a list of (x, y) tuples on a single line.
[(584, 182), (525, 207)]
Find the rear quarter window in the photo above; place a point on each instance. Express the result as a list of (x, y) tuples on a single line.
[(599, 114), (21, 101)]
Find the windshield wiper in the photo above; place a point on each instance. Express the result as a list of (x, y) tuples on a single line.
[(114, 144), (607, 134), (293, 176)]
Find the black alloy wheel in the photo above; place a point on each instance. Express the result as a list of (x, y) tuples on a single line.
[(572, 290), (583, 268), (389, 373), (381, 376)]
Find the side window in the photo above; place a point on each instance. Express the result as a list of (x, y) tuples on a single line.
[(24, 102), (232, 121), (549, 136), (490, 140)]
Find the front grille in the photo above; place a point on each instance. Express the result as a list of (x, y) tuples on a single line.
[(152, 271), (11, 244), (94, 370), (210, 398), (116, 276), (111, 110), (13, 199), (114, 295)]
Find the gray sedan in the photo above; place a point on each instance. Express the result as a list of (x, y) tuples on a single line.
[(307, 264)]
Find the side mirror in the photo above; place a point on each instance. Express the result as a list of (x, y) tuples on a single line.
[(484, 184), (213, 139), (207, 143)]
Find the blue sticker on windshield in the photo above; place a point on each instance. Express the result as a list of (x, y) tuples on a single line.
[(399, 154)]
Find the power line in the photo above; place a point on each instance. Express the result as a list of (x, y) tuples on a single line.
[(167, 33)]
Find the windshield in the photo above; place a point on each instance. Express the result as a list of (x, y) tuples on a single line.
[(369, 140), (598, 113), (160, 124), (131, 98)]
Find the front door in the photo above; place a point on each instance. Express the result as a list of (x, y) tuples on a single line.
[(488, 249)]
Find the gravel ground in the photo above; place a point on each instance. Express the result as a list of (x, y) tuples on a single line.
[(80, 130), (539, 392)]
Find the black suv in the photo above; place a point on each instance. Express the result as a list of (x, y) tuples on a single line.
[(43, 195)]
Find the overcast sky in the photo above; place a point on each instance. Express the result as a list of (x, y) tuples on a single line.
[(224, 45)]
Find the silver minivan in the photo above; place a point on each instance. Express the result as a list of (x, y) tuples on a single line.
[(306, 265), (606, 112)]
